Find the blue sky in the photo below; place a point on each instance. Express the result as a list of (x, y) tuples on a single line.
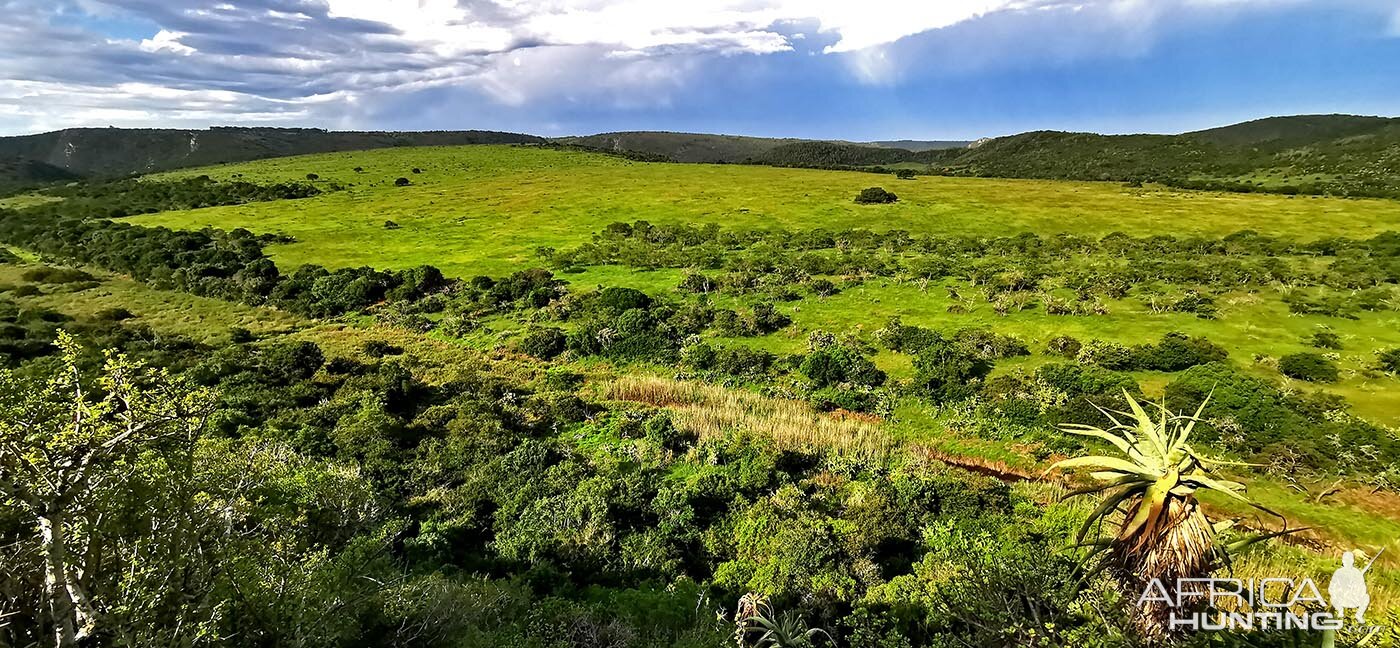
[(873, 69)]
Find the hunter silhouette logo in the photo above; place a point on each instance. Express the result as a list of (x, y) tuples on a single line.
[(1265, 603), (1347, 588)]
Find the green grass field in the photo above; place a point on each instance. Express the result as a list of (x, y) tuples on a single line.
[(485, 209)]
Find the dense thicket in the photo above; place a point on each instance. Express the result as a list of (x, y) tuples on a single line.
[(370, 507)]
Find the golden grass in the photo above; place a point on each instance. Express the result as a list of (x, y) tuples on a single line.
[(711, 411)]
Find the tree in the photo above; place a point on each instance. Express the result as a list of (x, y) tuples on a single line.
[(905, 174), (875, 196), (67, 443)]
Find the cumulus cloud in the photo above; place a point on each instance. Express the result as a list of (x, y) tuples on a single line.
[(71, 62)]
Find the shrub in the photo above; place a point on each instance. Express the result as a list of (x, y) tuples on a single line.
[(1389, 360), (1178, 351), (743, 361), (114, 314), (380, 348), (1326, 340), (401, 182), (390, 225), (25, 290), (1064, 346), (617, 299), (875, 196), (544, 343), (312, 176), (1108, 355), (417, 170), (50, 275), (840, 364), (1312, 367), (945, 370), (905, 174), (990, 345), (240, 335)]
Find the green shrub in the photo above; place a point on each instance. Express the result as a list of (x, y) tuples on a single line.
[(51, 275), (1326, 340), (544, 343), (875, 196), (1389, 360), (1312, 367), (840, 364), (1063, 346), (946, 371)]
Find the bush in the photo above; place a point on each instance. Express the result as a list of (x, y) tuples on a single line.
[(1178, 351), (743, 361), (544, 343), (380, 348), (1389, 360), (49, 275), (1064, 346), (240, 335), (1326, 340), (905, 174), (875, 196), (947, 371), (25, 290), (840, 364), (115, 314), (617, 299), (390, 225), (401, 182), (1312, 367), (312, 176)]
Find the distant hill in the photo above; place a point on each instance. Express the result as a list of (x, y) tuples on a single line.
[(681, 147), (737, 149), (1312, 154), (923, 145), (121, 151), (18, 173)]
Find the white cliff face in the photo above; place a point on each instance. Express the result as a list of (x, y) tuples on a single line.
[(194, 143), (68, 152)]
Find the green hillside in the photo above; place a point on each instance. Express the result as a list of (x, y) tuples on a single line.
[(19, 173), (122, 151)]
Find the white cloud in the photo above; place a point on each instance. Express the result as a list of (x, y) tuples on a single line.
[(270, 60)]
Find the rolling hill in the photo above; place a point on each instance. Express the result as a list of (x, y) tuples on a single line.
[(18, 173), (121, 151)]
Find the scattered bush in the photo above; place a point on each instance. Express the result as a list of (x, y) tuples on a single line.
[(401, 182), (1312, 367)]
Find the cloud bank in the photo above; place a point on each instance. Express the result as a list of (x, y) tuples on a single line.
[(343, 63)]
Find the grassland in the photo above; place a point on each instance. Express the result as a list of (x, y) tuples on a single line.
[(199, 318), (485, 209)]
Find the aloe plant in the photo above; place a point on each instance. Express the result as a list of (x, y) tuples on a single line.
[(1150, 487)]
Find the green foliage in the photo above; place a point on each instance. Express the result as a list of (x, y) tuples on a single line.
[(544, 343), (875, 196), (1312, 367), (946, 371)]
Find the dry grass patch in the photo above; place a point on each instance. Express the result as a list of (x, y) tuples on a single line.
[(711, 411)]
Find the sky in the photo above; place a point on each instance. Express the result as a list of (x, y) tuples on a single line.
[(830, 69)]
